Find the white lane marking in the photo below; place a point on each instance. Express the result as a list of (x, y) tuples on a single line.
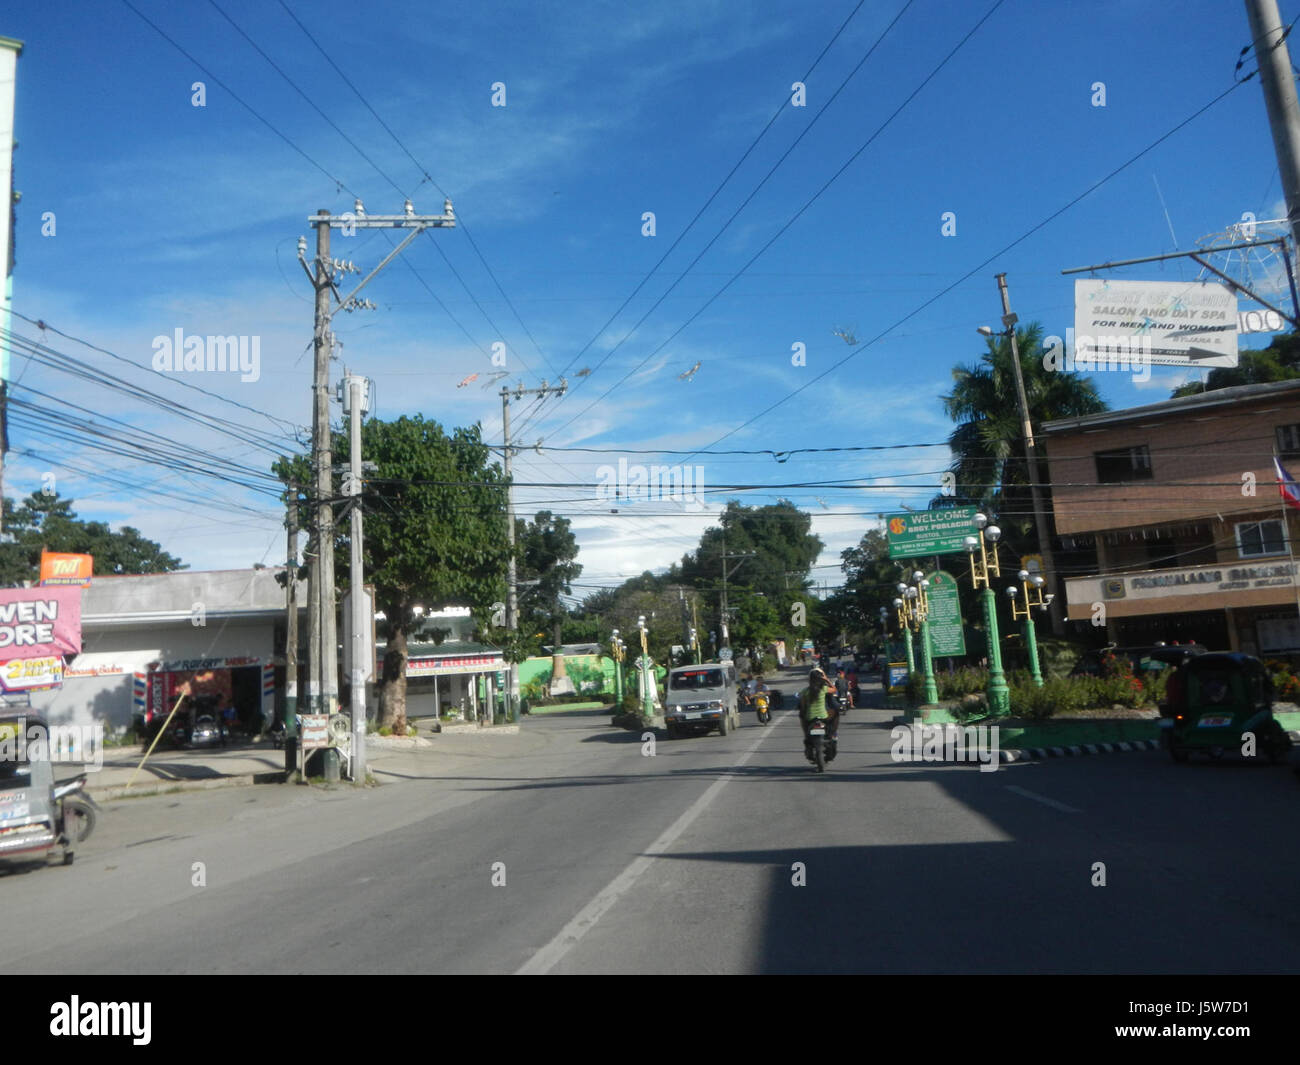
[(550, 955), (1043, 799)]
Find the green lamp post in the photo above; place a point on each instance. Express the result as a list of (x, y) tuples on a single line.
[(904, 608), (981, 568), (616, 653), (920, 594), (1033, 597)]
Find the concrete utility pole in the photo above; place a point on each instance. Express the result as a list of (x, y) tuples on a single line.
[(291, 637), (512, 592), (1031, 453), (726, 635), (323, 644), (360, 654), (1277, 81)]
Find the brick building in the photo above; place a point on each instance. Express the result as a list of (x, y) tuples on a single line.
[(1174, 509)]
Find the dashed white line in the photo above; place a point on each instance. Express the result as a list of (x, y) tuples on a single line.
[(1043, 799), (550, 955)]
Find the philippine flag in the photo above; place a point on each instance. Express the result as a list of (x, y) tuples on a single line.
[(1287, 486)]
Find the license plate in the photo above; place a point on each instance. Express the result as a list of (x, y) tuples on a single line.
[(1214, 722), (695, 716), (17, 809), (816, 732)]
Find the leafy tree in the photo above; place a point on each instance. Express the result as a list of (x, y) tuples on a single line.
[(783, 549), (989, 461), (546, 551), (434, 535), (1280, 361), (49, 522)]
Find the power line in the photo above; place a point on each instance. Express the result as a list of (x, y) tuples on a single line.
[(796, 216)]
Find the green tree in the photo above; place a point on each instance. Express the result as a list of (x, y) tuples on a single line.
[(547, 551), (989, 461), (49, 522), (435, 534)]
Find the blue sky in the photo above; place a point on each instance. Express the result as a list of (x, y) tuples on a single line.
[(174, 216)]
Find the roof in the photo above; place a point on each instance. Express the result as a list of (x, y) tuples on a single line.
[(158, 597), (1170, 408)]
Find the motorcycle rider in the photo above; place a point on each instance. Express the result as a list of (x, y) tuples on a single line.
[(818, 701)]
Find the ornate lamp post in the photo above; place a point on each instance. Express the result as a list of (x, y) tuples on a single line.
[(616, 652), (904, 606), (1033, 597), (695, 644), (920, 593), (981, 568), (647, 709)]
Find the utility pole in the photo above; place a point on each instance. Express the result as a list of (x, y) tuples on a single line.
[(1031, 452), (1276, 80), (291, 637), (512, 593), (322, 621), (726, 636), (360, 654)]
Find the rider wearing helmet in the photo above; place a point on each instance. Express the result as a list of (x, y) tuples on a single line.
[(818, 701)]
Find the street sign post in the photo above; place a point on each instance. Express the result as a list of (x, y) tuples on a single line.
[(930, 532)]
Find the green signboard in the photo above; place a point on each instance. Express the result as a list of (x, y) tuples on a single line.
[(930, 532), (947, 635)]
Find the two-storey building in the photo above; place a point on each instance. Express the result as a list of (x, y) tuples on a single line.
[(1178, 500)]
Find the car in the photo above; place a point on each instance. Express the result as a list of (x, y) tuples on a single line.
[(701, 698)]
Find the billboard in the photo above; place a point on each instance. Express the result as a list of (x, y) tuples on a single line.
[(57, 568), (1164, 323), (40, 622), (947, 634)]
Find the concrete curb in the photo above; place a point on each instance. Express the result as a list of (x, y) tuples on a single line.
[(168, 787)]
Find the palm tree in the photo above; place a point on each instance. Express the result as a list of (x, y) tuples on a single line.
[(988, 448)]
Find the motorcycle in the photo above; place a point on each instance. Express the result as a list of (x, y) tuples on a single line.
[(760, 708), (821, 742)]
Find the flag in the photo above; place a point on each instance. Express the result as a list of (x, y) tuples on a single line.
[(1287, 486)]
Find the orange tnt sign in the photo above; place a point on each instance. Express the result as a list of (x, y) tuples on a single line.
[(59, 568)]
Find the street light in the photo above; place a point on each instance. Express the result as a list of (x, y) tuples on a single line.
[(1033, 597), (904, 605), (920, 594), (616, 652), (981, 569), (647, 710)]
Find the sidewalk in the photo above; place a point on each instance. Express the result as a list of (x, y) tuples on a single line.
[(253, 763)]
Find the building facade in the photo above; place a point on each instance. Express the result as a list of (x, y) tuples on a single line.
[(1178, 503)]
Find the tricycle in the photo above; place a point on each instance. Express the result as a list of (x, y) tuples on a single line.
[(1222, 701), (37, 816)]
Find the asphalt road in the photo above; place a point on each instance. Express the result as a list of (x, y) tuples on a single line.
[(686, 861)]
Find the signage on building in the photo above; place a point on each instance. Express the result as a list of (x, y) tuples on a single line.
[(1125, 325), (31, 674), (947, 635), (430, 667), (192, 665), (920, 533), (57, 568), (40, 622), (1193, 580)]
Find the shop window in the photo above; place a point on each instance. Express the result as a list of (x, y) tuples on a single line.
[(1124, 464), (1259, 539), (1287, 438)]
